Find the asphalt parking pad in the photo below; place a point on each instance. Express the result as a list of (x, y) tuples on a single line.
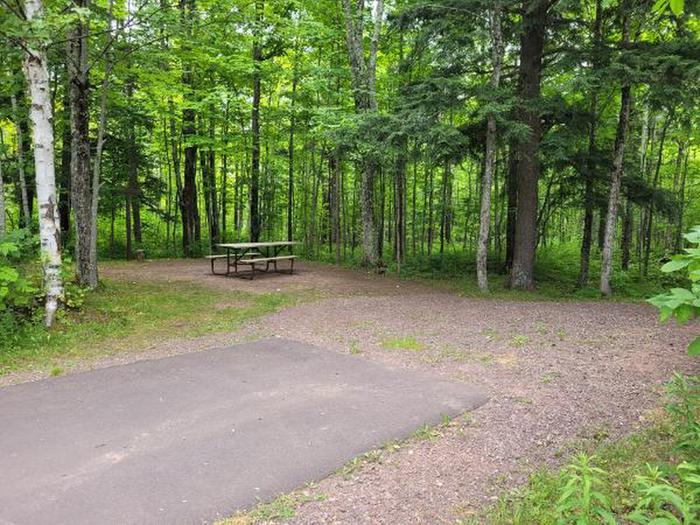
[(196, 437)]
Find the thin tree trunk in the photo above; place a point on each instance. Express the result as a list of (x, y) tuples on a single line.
[(650, 215), (26, 219), (255, 127), (616, 172), (512, 204), (482, 249), (590, 163), (92, 276), (81, 193), (3, 227), (36, 72), (681, 206)]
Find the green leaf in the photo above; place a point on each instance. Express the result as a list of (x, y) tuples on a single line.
[(675, 264), (694, 347), (677, 6), (684, 313)]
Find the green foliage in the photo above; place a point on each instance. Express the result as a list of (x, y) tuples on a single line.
[(582, 500), (128, 316), (18, 295), (683, 303), (651, 477)]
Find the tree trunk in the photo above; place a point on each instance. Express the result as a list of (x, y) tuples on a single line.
[(290, 176), (64, 175), (590, 162), (655, 182), (627, 227), (482, 249), (255, 128), (616, 172), (26, 217), (363, 74), (190, 223), (678, 244), (531, 47), (36, 73), (92, 276), (512, 205), (81, 193), (3, 227)]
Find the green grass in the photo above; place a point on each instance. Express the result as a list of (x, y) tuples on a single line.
[(121, 316), (622, 460), (279, 509), (403, 343)]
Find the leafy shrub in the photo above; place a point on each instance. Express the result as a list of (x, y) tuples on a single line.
[(683, 303), (18, 294)]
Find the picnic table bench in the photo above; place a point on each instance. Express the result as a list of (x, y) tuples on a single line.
[(254, 255)]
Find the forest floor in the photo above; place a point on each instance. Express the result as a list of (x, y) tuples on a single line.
[(558, 374)]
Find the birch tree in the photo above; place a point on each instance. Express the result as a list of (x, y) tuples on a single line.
[(617, 167), (36, 72), (490, 161)]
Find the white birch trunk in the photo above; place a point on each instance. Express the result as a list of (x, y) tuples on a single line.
[(616, 174), (36, 73), (490, 161), (20, 161)]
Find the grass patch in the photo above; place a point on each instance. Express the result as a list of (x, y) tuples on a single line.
[(402, 343), (281, 508), (518, 341), (121, 316), (648, 477)]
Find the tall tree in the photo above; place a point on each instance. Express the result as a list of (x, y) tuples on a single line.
[(617, 166), (36, 72), (490, 155), (534, 25), (364, 86), (588, 198)]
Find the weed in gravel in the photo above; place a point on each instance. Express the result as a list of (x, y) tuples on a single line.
[(403, 343), (355, 348), (519, 340), (549, 377)]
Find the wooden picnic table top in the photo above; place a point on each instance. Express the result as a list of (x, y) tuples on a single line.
[(248, 245)]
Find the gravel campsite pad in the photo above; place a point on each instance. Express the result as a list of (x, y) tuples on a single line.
[(555, 373)]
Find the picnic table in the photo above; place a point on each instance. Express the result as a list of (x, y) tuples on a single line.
[(257, 256)]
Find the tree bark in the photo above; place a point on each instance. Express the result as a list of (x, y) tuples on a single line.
[(3, 227), (617, 169), (512, 204), (482, 249), (79, 98), (36, 72), (26, 217), (587, 236), (363, 74), (255, 127), (190, 223), (531, 48)]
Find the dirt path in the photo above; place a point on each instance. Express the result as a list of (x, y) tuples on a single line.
[(556, 372)]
